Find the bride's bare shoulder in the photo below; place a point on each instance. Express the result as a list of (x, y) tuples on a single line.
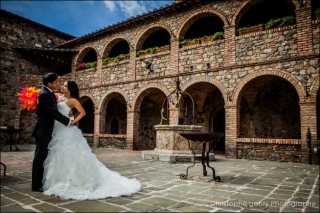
[(58, 97)]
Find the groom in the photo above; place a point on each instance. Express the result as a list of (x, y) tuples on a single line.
[(46, 113)]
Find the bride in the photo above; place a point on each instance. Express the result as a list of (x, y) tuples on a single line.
[(71, 170)]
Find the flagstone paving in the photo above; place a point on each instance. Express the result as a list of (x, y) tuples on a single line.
[(245, 186)]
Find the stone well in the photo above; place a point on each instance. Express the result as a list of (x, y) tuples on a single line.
[(172, 147)]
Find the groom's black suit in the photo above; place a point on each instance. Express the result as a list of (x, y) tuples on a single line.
[(46, 113)]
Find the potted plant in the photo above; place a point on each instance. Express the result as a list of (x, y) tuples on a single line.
[(250, 29), (240, 30), (105, 61), (147, 51), (91, 64), (162, 49), (317, 13), (81, 66), (206, 39), (273, 23), (121, 57), (287, 20), (218, 35), (116, 59), (189, 42)]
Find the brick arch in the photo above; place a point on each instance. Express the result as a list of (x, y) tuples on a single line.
[(246, 5), (210, 80), (275, 72), (84, 97), (150, 29), (314, 88), (104, 99), (83, 52), (115, 39), (196, 15), (138, 97)]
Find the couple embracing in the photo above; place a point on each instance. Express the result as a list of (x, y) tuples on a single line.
[(63, 164)]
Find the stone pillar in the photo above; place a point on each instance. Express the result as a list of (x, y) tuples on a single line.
[(232, 130), (132, 65), (99, 71), (103, 122), (96, 130), (73, 69), (308, 120), (174, 56), (173, 115), (133, 129), (229, 45), (304, 31)]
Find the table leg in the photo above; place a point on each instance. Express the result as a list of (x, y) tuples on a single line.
[(203, 158), (184, 176), (216, 178), (11, 141), (4, 170)]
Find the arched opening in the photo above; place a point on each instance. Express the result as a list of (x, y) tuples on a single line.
[(86, 124), (90, 56), (315, 8), (264, 11), (158, 38), (205, 26), (114, 127), (87, 59), (269, 108), (122, 47), (150, 115), (209, 110), (116, 116)]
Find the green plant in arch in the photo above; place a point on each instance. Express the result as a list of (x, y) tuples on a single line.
[(218, 35)]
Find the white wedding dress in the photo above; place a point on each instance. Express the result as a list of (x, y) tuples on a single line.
[(72, 171)]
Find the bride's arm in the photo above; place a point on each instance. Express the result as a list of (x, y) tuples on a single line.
[(76, 104)]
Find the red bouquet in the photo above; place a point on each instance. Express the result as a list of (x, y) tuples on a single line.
[(28, 98)]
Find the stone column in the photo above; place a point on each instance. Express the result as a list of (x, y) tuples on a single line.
[(304, 31), (73, 69), (173, 115), (96, 129), (229, 45), (308, 120), (132, 65), (99, 71), (133, 129), (174, 56), (103, 122), (232, 130)]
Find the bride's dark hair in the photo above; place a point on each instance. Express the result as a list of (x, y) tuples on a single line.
[(73, 88)]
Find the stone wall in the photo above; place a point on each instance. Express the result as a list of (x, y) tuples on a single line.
[(16, 31), (86, 78), (315, 36), (160, 66), (270, 152), (275, 43), (113, 141), (198, 56), (115, 72)]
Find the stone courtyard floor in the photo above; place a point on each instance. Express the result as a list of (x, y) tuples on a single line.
[(245, 186)]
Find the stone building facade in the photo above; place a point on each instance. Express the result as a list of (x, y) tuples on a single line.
[(261, 88), (23, 64)]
